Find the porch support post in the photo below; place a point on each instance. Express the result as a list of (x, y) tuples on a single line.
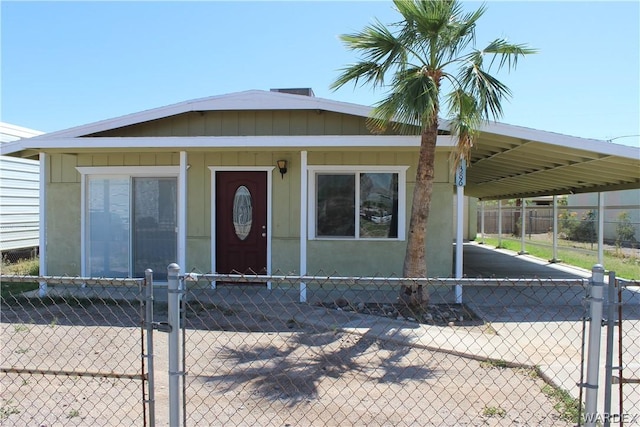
[(459, 238), (601, 228), (303, 223), (42, 235), (555, 230), (182, 211)]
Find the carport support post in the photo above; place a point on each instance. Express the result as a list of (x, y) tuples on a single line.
[(555, 230), (173, 298), (601, 228), (523, 249), (500, 223), (482, 222), (593, 350)]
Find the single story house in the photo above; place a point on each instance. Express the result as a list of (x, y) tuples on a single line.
[(278, 181)]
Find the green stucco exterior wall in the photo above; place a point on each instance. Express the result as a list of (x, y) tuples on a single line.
[(345, 257)]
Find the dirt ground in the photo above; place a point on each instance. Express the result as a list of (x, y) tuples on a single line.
[(247, 368)]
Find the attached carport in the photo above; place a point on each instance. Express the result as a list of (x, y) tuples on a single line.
[(511, 162)]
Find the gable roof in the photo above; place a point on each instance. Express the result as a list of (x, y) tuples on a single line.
[(247, 100), (506, 162)]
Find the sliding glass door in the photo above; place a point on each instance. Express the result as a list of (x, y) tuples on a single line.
[(131, 225), (155, 225)]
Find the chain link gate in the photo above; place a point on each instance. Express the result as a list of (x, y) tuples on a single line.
[(73, 352), (622, 367)]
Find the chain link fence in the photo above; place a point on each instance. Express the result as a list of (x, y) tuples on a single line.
[(71, 352), (577, 225), (254, 355), (77, 352)]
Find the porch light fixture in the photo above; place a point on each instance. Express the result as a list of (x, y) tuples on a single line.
[(282, 166)]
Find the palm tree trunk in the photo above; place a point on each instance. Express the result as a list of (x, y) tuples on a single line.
[(415, 264)]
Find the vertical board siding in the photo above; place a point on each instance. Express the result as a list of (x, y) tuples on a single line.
[(19, 203), (248, 123)]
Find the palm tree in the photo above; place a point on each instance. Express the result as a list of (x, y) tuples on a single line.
[(433, 44)]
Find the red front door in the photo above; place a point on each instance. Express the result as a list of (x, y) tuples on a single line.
[(241, 222)]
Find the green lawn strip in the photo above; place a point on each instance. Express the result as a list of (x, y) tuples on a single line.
[(13, 289), (628, 268), (26, 267)]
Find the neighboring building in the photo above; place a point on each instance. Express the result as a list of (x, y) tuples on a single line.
[(277, 182), (615, 203), (19, 194)]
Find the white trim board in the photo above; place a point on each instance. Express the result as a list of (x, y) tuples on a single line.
[(221, 142)]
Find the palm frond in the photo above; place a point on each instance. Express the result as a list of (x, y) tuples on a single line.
[(461, 32), (375, 43), (412, 102), (508, 53), (464, 121), (368, 72), (379, 50), (487, 90)]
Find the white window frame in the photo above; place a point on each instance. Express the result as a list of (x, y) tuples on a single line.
[(111, 172), (357, 169)]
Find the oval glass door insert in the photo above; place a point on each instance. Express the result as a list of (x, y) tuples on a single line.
[(242, 212)]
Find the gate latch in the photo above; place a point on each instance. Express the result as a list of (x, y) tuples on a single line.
[(161, 326)]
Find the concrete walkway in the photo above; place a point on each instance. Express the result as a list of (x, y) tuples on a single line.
[(485, 261)]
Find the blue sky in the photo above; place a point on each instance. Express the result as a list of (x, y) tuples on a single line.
[(68, 63)]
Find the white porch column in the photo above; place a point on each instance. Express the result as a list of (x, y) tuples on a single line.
[(601, 228), (461, 180), (182, 211), (42, 236), (303, 222), (459, 238)]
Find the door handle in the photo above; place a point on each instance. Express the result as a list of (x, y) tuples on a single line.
[(264, 234)]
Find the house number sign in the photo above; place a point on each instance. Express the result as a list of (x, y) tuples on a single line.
[(461, 173)]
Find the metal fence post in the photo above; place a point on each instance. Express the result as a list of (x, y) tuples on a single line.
[(593, 351), (148, 281), (173, 289), (611, 321)]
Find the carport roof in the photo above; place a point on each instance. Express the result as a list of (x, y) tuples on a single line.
[(513, 162), (506, 162)]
